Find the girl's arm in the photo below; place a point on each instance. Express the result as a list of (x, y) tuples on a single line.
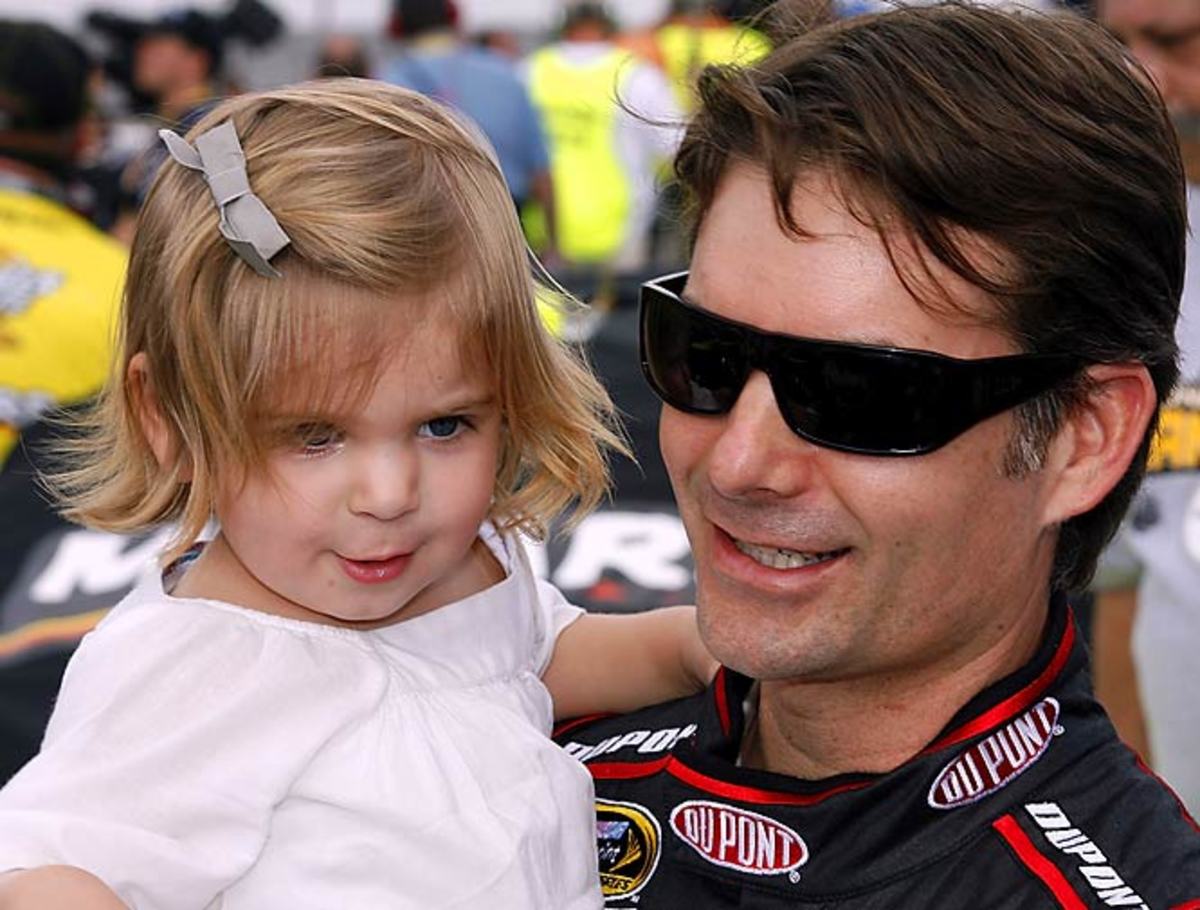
[(617, 663), (55, 888)]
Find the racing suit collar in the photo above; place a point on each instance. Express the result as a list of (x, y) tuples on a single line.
[(717, 742)]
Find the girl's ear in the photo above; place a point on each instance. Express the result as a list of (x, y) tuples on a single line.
[(157, 429)]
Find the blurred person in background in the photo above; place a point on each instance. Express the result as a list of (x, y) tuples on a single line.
[(698, 33), (59, 286), (1147, 616), (343, 55), (612, 122), (483, 85), (176, 63)]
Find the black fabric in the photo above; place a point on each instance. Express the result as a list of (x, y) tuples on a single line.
[(1113, 834)]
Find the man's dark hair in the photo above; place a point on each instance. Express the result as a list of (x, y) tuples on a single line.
[(414, 18), (43, 93), (1037, 134)]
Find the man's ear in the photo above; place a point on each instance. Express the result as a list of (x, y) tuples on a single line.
[(1098, 439), (157, 429)]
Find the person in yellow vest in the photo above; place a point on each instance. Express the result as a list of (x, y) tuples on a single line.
[(59, 285), (697, 33), (605, 154)]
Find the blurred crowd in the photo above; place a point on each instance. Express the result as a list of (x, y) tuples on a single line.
[(583, 122)]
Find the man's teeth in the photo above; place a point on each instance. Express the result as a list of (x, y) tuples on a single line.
[(779, 558)]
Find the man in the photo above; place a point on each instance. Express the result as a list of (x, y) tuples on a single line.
[(1147, 618), (610, 121), (59, 286), (909, 384), (697, 33), (483, 85), (176, 62)]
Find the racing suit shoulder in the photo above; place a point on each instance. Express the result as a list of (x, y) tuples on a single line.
[(646, 735), (1107, 832)]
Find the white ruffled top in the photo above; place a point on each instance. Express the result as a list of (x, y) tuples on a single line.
[(202, 755)]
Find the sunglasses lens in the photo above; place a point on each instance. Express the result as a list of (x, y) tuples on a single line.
[(694, 364), (864, 401)]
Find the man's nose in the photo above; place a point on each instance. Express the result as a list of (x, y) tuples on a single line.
[(757, 454), (386, 484)]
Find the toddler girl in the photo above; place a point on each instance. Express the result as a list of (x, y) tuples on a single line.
[(330, 345)]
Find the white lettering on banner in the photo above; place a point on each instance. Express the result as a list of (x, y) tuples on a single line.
[(94, 562), (645, 547), (647, 741), (1092, 863)]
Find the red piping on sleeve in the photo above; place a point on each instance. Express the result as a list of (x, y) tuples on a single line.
[(1145, 769), (568, 725), (1033, 860)]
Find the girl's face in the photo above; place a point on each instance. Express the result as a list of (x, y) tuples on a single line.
[(373, 512)]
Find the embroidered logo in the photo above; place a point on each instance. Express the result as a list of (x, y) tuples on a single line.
[(628, 842), (738, 839), (994, 762)]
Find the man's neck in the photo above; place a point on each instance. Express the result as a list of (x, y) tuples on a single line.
[(874, 724)]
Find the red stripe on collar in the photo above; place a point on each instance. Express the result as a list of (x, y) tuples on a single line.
[(1014, 704)]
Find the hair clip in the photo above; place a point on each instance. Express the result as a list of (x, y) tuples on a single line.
[(245, 222)]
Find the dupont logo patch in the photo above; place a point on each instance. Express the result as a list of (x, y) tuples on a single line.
[(628, 842), (737, 839), (994, 762)]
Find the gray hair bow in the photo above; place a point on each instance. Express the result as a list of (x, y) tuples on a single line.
[(246, 222)]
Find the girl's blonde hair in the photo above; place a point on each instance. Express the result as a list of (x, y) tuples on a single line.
[(384, 193)]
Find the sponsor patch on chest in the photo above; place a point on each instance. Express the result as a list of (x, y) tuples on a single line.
[(628, 842), (997, 760), (735, 838)]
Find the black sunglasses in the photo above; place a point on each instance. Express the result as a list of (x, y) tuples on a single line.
[(852, 397)]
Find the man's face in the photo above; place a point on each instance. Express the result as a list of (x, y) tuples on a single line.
[(888, 564), (163, 61), (1165, 36)]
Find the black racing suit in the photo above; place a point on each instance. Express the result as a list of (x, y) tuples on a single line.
[(1025, 800)]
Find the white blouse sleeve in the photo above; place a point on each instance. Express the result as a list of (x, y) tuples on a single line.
[(177, 730), (555, 613)]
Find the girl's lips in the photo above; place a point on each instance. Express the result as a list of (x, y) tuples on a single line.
[(375, 571)]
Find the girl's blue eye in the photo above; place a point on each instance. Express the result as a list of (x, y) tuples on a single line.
[(442, 427)]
